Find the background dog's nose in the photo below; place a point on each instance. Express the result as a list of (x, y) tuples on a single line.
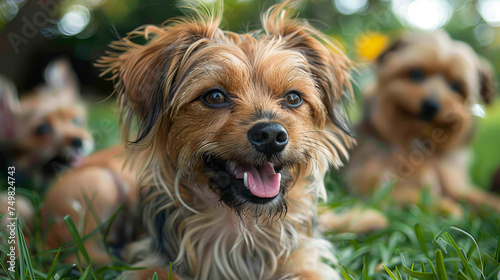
[(430, 107), (77, 143), (268, 138)]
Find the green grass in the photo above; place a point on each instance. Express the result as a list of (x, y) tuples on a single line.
[(417, 244), (420, 244)]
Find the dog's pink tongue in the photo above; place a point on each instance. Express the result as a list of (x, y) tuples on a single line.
[(262, 181)]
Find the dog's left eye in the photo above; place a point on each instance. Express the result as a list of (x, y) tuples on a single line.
[(43, 129), (456, 86), (416, 74), (215, 98), (293, 99)]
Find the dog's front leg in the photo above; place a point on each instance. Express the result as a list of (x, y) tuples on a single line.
[(457, 185), (305, 264)]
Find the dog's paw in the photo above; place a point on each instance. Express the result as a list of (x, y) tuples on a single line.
[(450, 207), (321, 272), (355, 220)]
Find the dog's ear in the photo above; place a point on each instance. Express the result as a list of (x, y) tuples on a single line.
[(329, 67), (488, 83), (62, 81), (147, 76), (9, 108), (397, 45)]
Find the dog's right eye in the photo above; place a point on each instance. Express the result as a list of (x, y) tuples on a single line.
[(416, 74), (215, 98), (43, 129)]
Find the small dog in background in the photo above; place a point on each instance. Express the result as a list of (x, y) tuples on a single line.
[(418, 122), (44, 131), (235, 134)]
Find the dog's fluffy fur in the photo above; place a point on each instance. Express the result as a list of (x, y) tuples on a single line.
[(418, 121), (193, 208)]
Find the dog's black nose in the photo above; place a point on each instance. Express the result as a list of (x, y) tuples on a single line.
[(77, 143), (268, 138), (430, 107)]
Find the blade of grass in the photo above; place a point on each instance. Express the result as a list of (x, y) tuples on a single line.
[(84, 274), (462, 276), (53, 266), (494, 275), (170, 273), (421, 239), (412, 265), (475, 243), (345, 273), (24, 255), (440, 268), (398, 273), (155, 276), (108, 230), (364, 271), (84, 238), (497, 253), (76, 236), (465, 263), (417, 274), (393, 277), (7, 272), (491, 260)]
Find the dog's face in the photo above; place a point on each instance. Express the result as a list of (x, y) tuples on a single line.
[(427, 87), (46, 130), (237, 115)]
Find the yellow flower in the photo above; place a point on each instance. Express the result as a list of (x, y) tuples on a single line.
[(369, 46)]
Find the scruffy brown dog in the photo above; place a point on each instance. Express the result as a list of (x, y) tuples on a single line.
[(235, 134), (45, 131), (418, 123)]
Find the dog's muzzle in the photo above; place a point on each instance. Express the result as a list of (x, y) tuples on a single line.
[(430, 107), (268, 138)]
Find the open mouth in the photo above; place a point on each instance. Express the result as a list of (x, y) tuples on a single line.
[(61, 161), (262, 181), (238, 183)]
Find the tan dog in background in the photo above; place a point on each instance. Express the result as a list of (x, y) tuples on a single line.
[(236, 132), (418, 123), (45, 131), (104, 183)]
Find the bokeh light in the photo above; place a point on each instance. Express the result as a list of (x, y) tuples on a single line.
[(8, 10), (484, 34), (74, 21), (490, 11), (349, 7), (427, 15)]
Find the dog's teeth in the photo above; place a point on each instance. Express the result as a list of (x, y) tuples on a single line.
[(245, 180)]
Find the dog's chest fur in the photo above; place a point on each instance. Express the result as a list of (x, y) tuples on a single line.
[(217, 244)]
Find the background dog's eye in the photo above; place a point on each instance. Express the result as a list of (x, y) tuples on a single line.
[(456, 86), (214, 98), (293, 99), (416, 74), (43, 129)]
